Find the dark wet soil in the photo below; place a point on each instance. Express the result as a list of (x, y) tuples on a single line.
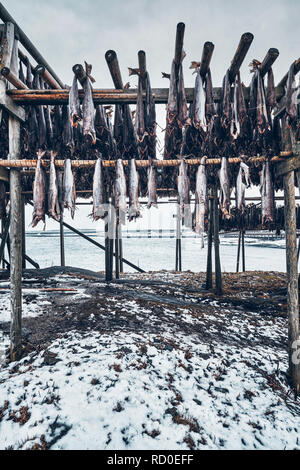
[(156, 302)]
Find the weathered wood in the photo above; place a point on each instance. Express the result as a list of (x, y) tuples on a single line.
[(243, 47), (284, 79), (207, 53), (142, 67), (292, 278), (113, 65), (111, 96), (218, 273), (243, 252), (290, 164), (238, 253), (6, 46), (269, 60), (7, 103), (62, 240), (117, 256), (80, 73), (121, 249), (15, 243), (25, 41), (47, 77), (179, 43), (178, 266), (209, 242), (139, 163), (23, 233)]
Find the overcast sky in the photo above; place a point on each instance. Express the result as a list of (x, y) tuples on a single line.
[(71, 31)]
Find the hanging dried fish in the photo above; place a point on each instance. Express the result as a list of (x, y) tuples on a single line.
[(199, 108), (42, 131), (262, 112), (69, 188), (184, 194), (271, 94), (152, 196), (134, 205), (74, 104), (200, 200), (267, 196), (67, 131), (226, 102), (150, 120), (225, 188), (242, 182), (120, 191), (88, 112), (39, 192), (140, 127), (99, 209), (53, 205)]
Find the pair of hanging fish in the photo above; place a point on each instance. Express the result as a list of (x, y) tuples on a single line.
[(120, 191), (52, 197), (86, 117)]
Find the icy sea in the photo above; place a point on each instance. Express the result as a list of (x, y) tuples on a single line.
[(149, 243)]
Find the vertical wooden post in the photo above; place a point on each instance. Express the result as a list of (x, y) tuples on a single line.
[(218, 273), (292, 265), (209, 242), (238, 253), (15, 243), (62, 240), (121, 249), (243, 251), (117, 258), (292, 275), (178, 266), (23, 234)]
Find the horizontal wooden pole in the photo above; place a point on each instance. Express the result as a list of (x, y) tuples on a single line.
[(140, 163), (110, 96)]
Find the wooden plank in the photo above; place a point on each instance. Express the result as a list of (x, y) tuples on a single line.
[(7, 103), (111, 96), (241, 52), (15, 244), (6, 46)]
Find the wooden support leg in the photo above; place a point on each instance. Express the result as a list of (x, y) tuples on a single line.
[(107, 244), (23, 235), (238, 253), (292, 279), (62, 240), (243, 252), (121, 249), (209, 243), (15, 243), (117, 257), (178, 240), (216, 245)]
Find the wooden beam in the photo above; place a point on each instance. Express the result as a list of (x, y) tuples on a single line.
[(6, 47), (7, 103), (25, 41), (15, 243), (111, 96), (284, 79), (269, 60), (218, 272), (179, 43), (241, 52), (207, 53), (113, 65)]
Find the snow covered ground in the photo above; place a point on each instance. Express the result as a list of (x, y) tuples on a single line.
[(150, 366)]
